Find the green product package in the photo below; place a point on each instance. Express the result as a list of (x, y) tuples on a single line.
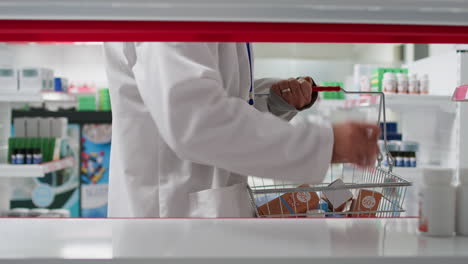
[(86, 103), (11, 146), (333, 95), (47, 146)]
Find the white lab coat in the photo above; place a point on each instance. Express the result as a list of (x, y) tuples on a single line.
[(184, 136)]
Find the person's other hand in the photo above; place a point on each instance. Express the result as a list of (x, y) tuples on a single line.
[(355, 143), (296, 92)]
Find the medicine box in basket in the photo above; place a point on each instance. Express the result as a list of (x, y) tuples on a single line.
[(366, 201), (337, 199), (291, 203)]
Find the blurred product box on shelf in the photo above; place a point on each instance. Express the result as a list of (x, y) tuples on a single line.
[(391, 128), (35, 80), (291, 203), (366, 200), (33, 127), (19, 125), (59, 127), (8, 80), (94, 169), (60, 84), (333, 95), (86, 103), (337, 199), (45, 127), (104, 100)]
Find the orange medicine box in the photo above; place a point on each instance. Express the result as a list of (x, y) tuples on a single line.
[(366, 201), (291, 203)]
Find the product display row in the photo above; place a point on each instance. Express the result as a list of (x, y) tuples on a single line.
[(390, 80), (30, 80)]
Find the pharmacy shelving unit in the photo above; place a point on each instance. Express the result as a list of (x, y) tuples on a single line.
[(6, 102), (8, 171)]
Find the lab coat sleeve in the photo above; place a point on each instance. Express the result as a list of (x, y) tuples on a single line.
[(182, 89), (266, 101)]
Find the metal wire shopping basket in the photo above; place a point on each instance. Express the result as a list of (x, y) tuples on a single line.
[(346, 192)]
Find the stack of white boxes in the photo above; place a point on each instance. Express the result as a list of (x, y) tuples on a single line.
[(26, 80), (34, 80), (38, 127)]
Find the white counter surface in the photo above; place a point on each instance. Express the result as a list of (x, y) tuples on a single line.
[(224, 241)]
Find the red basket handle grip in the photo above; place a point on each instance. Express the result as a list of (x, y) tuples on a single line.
[(326, 88)]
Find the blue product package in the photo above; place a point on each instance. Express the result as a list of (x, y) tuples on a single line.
[(392, 127), (323, 205), (392, 136), (95, 157), (58, 84)]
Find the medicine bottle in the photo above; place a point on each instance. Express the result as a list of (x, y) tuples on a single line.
[(402, 83), (389, 82), (462, 204), (424, 84), (437, 203), (37, 156), (409, 148), (413, 84)]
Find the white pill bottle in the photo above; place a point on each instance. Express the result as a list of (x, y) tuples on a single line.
[(389, 83), (402, 83), (413, 84), (462, 203), (437, 203), (424, 84)]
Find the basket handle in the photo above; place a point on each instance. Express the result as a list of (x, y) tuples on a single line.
[(326, 88)]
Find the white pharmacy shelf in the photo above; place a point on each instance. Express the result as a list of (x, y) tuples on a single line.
[(11, 170), (393, 100), (38, 97), (20, 97)]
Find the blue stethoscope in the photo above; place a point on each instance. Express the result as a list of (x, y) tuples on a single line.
[(251, 95)]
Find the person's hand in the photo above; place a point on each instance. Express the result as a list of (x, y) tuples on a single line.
[(355, 143), (296, 92)]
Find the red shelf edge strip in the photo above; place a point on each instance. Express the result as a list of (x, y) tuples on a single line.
[(74, 30)]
